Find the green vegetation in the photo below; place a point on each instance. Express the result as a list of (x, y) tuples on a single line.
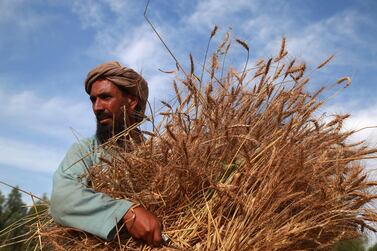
[(16, 219), (373, 248), (354, 245)]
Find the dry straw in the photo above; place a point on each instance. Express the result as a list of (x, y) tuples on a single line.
[(244, 163)]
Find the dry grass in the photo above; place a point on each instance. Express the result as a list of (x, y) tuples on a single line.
[(243, 163)]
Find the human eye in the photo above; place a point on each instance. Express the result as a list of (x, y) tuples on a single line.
[(105, 96)]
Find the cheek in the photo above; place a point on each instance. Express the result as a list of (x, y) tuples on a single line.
[(110, 106), (115, 108)]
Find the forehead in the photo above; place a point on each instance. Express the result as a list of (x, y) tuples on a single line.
[(104, 86)]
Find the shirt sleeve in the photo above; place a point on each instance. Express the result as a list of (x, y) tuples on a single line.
[(76, 205)]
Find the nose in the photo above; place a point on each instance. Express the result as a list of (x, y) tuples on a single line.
[(98, 105)]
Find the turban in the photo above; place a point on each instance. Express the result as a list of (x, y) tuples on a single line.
[(130, 81)]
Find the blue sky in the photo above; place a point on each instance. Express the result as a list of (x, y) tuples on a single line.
[(47, 47)]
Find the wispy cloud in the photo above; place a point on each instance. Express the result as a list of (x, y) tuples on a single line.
[(47, 121), (11, 11), (141, 50), (89, 12), (340, 29), (220, 12), (32, 181), (51, 117), (29, 156), (118, 6), (362, 119), (263, 24), (22, 25)]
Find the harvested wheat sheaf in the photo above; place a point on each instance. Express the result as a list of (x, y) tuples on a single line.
[(240, 161)]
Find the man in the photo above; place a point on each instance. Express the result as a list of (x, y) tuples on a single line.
[(118, 95)]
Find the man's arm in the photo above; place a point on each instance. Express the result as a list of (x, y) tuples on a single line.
[(74, 204)]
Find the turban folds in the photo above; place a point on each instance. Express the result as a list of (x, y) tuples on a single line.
[(132, 82)]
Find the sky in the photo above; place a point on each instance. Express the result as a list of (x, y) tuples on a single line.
[(48, 46)]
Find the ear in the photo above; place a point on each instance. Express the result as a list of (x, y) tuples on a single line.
[(132, 102)]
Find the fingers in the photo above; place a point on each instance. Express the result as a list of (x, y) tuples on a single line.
[(149, 238), (157, 239), (153, 237), (144, 225)]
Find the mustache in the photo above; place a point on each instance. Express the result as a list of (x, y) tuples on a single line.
[(104, 115)]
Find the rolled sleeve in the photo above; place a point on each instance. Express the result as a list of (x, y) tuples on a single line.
[(76, 205)]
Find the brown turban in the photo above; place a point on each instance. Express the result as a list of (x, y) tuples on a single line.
[(120, 75)]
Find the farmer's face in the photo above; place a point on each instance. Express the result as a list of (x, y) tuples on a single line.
[(109, 104)]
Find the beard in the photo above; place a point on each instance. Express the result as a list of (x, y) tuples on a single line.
[(105, 132)]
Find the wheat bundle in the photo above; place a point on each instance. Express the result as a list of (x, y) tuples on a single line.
[(240, 161)]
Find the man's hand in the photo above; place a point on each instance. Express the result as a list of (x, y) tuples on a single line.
[(144, 225)]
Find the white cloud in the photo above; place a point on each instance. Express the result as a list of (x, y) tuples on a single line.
[(141, 50), (362, 116), (363, 120), (22, 26), (44, 127), (29, 156), (333, 35), (45, 116), (8, 7), (262, 24), (118, 6), (89, 12), (338, 34), (19, 14), (160, 87), (219, 12)]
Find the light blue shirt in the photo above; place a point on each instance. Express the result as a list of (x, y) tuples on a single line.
[(76, 205)]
